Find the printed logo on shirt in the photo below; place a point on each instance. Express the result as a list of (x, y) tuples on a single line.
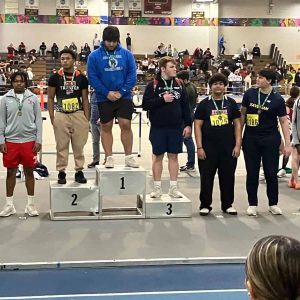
[(258, 106), (69, 87), (219, 112)]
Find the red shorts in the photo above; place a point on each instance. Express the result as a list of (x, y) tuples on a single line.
[(19, 153)]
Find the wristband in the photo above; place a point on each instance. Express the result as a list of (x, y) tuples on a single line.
[(199, 147)]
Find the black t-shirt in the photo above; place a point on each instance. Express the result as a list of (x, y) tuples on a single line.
[(128, 41), (212, 130), (268, 114), (67, 92)]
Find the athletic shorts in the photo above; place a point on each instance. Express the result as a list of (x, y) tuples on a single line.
[(168, 140), (122, 108), (19, 153)]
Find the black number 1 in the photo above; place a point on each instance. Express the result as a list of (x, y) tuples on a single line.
[(74, 200), (170, 211), (122, 183)]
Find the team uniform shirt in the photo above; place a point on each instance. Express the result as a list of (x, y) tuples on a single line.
[(262, 118), (68, 90), (217, 118), (163, 114)]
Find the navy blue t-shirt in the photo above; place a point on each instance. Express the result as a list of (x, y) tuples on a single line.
[(206, 109), (273, 108)]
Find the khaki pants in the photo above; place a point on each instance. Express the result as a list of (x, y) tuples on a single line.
[(72, 127)]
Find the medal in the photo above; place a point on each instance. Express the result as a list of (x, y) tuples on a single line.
[(259, 111), (19, 113)]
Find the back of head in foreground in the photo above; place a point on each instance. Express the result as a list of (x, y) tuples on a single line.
[(273, 269)]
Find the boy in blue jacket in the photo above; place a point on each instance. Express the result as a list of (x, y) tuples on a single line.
[(112, 74)]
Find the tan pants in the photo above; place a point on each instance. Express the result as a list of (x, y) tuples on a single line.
[(72, 127)]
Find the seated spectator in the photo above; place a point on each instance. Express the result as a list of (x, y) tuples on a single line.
[(2, 78), (236, 81), (249, 60), (145, 64), (83, 55), (187, 62), (207, 54), (32, 56), (30, 76), (43, 49), (54, 51), (87, 48), (22, 49), (11, 51), (256, 51), (161, 51), (170, 50), (273, 269), (73, 47)]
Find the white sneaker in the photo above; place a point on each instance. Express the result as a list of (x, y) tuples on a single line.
[(173, 192), (281, 173), (156, 193), (7, 210), (109, 163), (31, 210), (130, 161), (204, 211), (231, 211), (275, 210), (251, 211)]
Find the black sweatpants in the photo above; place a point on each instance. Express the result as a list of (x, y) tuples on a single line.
[(265, 149), (218, 157)]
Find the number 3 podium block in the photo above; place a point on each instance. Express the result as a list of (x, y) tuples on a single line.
[(121, 181), (74, 201), (167, 207)]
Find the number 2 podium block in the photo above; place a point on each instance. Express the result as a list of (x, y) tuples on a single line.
[(167, 207), (74, 201), (121, 181)]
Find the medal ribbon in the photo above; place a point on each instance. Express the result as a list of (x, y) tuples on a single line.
[(216, 106), (20, 103), (111, 57), (261, 105), (168, 88)]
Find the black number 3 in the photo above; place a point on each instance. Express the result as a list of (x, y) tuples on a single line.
[(74, 200), (170, 211)]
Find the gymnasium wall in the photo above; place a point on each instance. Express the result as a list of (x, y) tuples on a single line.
[(286, 38)]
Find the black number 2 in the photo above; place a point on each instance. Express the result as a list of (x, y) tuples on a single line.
[(170, 211), (74, 200), (122, 183)]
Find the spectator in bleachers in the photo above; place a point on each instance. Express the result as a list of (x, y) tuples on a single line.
[(22, 49), (207, 53), (297, 78), (54, 51), (244, 52), (11, 52), (2, 77), (256, 51), (145, 64), (30, 76), (273, 269), (73, 47), (43, 49), (87, 48), (170, 50), (32, 56), (175, 54)]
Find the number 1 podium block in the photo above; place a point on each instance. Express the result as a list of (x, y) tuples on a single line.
[(121, 181), (167, 207), (74, 201)]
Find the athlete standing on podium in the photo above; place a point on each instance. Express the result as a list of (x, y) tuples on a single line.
[(112, 74), (166, 100), (70, 122)]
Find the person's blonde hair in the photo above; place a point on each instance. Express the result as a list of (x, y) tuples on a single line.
[(164, 60), (273, 268)]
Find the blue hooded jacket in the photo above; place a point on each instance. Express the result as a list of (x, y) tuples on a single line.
[(103, 78)]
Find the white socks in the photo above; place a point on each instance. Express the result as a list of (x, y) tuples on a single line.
[(10, 200), (157, 184), (30, 200), (173, 183)]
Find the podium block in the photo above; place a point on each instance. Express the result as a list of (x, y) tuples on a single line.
[(167, 207), (73, 201), (121, 181)]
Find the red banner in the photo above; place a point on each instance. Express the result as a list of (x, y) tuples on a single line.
[(157, 7)]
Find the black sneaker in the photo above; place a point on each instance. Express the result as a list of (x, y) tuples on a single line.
[(61, 177), (79, 177), (93, 164), (186, 168)]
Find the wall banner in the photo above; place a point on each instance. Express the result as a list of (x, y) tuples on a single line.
[(31, 7), (157, 7), (63, 8), (117, 8), (81, 7), (135, 8)]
